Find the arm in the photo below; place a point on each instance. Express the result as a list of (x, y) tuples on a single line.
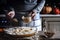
[(39, 7), (9, 12)]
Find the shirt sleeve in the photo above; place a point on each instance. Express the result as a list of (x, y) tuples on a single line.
[(39, 7), (8, 9)]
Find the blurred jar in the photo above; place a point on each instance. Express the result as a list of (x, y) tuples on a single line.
[(56, 10), (47, 9)]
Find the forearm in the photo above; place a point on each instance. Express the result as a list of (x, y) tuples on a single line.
[(39, 7)]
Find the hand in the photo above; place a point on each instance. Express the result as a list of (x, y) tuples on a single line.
[(11, 14), (32, 14)]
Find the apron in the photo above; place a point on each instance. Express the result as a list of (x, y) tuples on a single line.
[(34, 23)]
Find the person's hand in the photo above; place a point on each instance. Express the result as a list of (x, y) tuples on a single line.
[(32, 14), (11, 14)]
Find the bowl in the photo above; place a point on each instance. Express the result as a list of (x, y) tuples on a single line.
[(21, 31)]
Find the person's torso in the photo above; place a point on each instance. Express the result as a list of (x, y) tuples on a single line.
[(23, 5)]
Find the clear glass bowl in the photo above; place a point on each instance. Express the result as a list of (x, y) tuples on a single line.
[(21, 31)]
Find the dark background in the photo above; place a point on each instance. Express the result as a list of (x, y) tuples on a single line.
[(47, 1), (3, 3)]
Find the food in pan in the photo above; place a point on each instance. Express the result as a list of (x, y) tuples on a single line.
[(22, 31)]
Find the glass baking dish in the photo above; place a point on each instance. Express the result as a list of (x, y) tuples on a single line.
[(21, 31)]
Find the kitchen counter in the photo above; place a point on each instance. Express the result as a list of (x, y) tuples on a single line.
[(4, 36), (49, 15)]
